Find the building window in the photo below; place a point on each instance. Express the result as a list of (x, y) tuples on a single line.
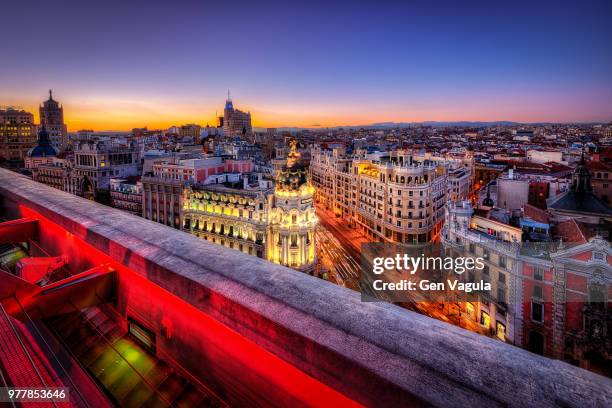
[(485, 319), (502, 261), (500, 331), (538, 273), (537, 312), (471, 311), (501, 295), (538, 292)]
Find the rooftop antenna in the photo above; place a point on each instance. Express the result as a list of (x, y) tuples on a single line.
[(229, 97), (50, 95)]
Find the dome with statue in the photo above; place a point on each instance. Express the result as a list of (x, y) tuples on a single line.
[(44, 148), (294, 175)]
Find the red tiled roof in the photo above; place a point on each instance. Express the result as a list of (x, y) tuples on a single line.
[(572, 231), (598, 166), (536, 214)]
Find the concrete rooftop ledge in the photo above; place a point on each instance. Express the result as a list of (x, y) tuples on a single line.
[(375, 353)]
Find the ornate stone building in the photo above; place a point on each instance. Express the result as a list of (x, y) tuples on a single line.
[(235, 122), (551, 298), (292, 218), (52, 118), (43, 153), (230, 216), (96, 162), (251, 215), (126, 194), (389, 196)]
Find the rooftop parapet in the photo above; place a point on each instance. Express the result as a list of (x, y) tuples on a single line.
[(374, 353)]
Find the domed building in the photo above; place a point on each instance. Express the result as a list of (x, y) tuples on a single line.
[(579, 202), (42, 153), (242, 210), (293, 220)]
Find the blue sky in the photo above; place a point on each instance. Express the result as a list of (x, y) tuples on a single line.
[(126, 64)]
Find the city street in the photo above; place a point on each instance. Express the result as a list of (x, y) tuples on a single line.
[(342, 267), (350, 238), (338, 249), (339, 253)]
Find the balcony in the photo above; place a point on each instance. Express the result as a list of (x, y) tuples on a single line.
[(256, 333)]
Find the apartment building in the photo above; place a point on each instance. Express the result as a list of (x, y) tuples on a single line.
[(459, 183), (126, 194), (55, 172), (389, 196), (17, 135), (331, 174), (546, 297), (97, 161)]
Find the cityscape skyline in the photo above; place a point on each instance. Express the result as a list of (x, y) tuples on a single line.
[(325, 204), (153, 122), (306, 65)]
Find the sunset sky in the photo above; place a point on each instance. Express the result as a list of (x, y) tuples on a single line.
[(118, 65)]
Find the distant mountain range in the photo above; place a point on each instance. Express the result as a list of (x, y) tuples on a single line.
[(388, 125), (443, 124)]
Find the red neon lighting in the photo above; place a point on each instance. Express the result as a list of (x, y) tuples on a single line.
[(19, 230), (261, 375)]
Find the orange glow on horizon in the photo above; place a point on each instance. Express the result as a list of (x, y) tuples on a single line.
[(106, 113)]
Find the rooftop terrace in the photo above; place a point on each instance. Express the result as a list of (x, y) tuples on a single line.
[(260, 334)]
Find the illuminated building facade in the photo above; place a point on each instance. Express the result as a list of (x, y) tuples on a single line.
[(17, 135), (292, 218), (485, 172), (52, 118), (55, 173), (253, 216), (459, 184), (389, 196), (234, 217)]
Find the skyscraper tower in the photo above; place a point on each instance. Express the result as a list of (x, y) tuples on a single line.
[(52, 118), (235, 122)]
